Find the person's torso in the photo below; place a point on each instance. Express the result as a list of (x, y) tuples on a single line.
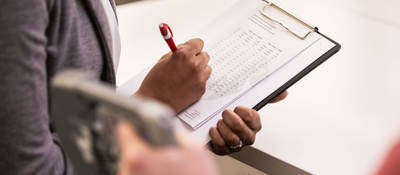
[(79, 38)]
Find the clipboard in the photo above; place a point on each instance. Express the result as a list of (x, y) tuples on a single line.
[(257, 98), (306, 70), (301, 74)]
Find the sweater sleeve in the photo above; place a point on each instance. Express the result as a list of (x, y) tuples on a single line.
[(27, 145)]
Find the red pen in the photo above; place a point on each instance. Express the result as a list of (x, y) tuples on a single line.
[(166, 32)]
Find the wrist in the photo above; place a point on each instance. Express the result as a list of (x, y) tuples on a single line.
[(146, 94)]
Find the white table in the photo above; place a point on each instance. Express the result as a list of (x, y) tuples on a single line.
[(341, 118)]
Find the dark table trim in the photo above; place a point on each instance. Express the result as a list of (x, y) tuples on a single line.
[(266, 163)]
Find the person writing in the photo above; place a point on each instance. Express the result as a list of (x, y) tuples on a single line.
[(42, 38)]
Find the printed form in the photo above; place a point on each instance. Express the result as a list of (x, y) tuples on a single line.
[(245, 48)]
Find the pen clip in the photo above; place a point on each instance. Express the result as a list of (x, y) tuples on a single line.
[(170, 31), (166, 31)]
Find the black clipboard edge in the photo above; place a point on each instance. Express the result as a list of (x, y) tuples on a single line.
[(302, 74), (279, 165)]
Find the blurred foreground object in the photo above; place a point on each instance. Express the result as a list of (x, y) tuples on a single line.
[(86, 113), (391, 165)]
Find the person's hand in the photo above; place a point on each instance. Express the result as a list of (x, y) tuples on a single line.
[(237, 128), (179, 78), (139, 158), (279, 98)]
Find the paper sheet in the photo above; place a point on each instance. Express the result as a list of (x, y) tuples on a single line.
[(244, 50), (251, 58)]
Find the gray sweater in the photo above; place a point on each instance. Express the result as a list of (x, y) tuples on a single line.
[(39, 38)]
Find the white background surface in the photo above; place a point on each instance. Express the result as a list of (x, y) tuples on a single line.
[(341, 118)]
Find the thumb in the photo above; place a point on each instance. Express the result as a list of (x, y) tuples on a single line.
[(131, 144)]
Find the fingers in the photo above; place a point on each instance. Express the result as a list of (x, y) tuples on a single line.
[(207, 73), (227, 134), (203, 59), (195, 46), (129, 142), (180, 46), (250, 117), (239, 127), (235, 127), (190, 48), (280, 97), (217, 138), (192, 51), (218, 144), (202, 65)]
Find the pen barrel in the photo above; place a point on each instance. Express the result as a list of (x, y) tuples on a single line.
[(171, 44)]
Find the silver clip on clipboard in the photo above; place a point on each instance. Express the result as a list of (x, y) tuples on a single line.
[(271, 6)]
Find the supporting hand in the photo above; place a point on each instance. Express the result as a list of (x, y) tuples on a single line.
[(237, 128)]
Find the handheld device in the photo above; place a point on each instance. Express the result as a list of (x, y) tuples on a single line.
[(85, 114)]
